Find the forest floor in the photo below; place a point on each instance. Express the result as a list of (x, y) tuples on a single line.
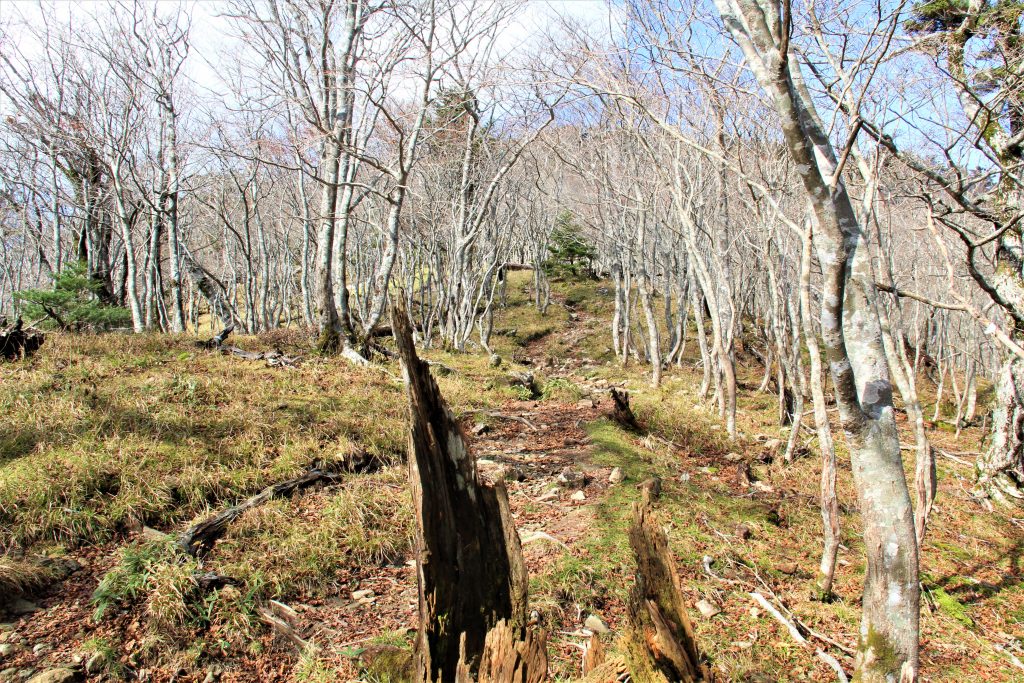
[(111, 445)]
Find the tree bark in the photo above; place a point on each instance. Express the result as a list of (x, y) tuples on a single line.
[(469, 560), (888, 646), (1001, 468), (660, 645)]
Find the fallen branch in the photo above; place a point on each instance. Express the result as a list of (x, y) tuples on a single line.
[(505, 416), (275, 359), (203, 535), (274, 619), (541, 536), (1013, 658), (794, 632)]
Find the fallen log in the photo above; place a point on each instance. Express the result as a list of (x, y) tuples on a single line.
[(203, 535), (18, 342), (274, 359), (472, 578), (218, 340), (208, 581)]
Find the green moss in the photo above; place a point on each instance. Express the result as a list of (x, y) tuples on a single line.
[(951, 606), (387, 664), (884, 657)]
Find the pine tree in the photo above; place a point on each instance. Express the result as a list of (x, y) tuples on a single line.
[(73, 303), (570, 252)]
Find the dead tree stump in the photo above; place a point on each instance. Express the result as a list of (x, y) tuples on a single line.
[(217, 341), (18, 342), (621, 412), (507, 657), (469, 561), (660, 644)]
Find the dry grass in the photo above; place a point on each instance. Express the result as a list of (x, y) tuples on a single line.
[(106, 433)]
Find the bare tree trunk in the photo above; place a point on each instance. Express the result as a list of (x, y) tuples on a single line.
[(330, 340), (697, 298), (171, 207), (1001, 468), (829, 500), (888, 646)]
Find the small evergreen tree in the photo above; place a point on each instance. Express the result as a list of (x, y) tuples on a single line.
[(570, 252), (73, 303)]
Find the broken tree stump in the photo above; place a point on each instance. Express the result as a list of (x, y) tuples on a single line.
[(507, 657), (17, 342), (660, 645), (621, 412), (217, 341), (469, 561)]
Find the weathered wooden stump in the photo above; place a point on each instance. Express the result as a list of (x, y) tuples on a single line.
[(18, 342), (508, 657), (217, 341), (471, 575), (621, 412), (660, 645)]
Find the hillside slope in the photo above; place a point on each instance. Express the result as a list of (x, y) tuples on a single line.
[(111, 445)]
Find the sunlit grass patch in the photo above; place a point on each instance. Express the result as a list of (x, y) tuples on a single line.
[(115, 431), (298, 547)]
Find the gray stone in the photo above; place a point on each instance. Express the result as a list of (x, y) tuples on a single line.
[(20, 607), (213, 673), (9, 650), (594, 624), (153, 535), (707, 609), (96, 663), (579, 496), (41, 649), (571, 478), (360, 595), (617, 476), (551, 494), (61, 675), (8, 674), (513, 473)]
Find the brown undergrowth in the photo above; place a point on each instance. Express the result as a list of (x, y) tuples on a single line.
[(107, 435)]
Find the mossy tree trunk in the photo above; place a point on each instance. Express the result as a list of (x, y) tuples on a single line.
[(851, 332)]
